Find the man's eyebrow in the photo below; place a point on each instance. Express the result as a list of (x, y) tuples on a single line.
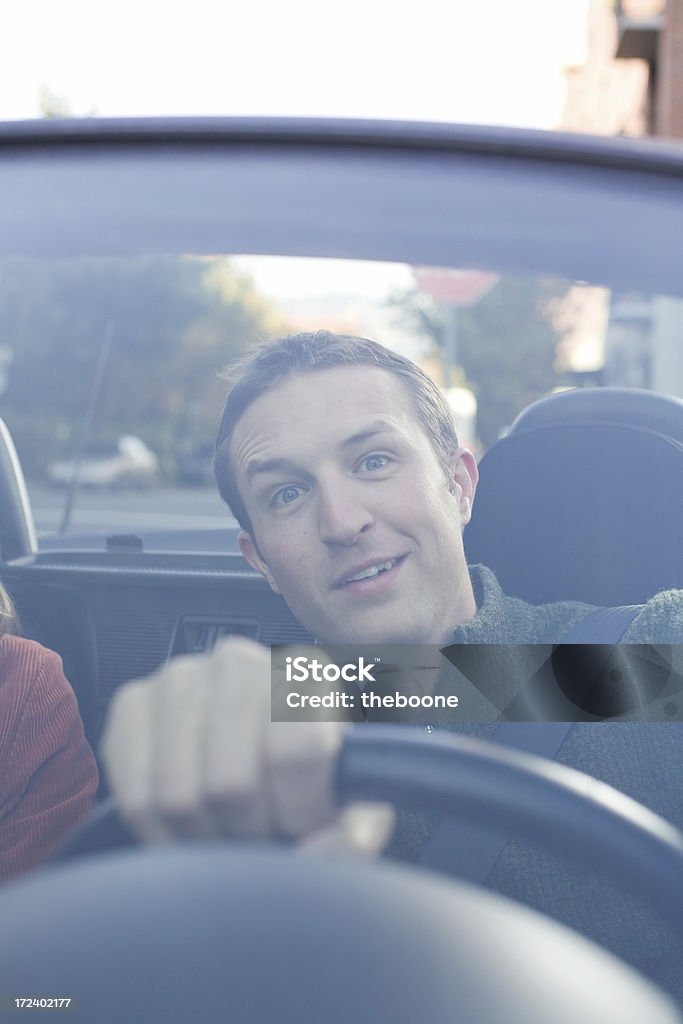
[(280, 464), (257, 467), (378, 427)]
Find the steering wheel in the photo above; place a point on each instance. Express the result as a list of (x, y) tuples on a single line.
[(562, 810), (241, 931)]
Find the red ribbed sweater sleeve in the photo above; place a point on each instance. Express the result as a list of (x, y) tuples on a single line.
[(48, 774)]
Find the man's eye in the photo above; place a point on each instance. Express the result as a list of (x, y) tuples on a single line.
[(286, 495), (374, 462)]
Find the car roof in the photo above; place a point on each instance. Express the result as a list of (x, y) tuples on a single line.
[(604, 210), (622, 151)]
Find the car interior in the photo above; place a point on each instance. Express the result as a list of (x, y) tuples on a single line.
[(580, 498)]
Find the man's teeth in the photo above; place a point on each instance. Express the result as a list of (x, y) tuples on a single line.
[(366, 574)]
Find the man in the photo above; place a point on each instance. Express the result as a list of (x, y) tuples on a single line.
[(357, 522), (340, 461)]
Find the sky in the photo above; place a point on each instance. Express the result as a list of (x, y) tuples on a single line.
[(487, 61)]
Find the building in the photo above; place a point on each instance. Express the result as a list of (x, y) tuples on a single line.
[(652, 31), (631, 83)]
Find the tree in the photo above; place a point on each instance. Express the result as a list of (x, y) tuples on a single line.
[(174, 323), (506, 345)]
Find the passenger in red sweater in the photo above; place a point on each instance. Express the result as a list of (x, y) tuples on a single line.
[(48, 775)]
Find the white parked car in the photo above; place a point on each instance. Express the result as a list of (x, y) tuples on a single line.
[(130, 464)]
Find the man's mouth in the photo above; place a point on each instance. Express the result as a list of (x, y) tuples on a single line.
[(369, 572)]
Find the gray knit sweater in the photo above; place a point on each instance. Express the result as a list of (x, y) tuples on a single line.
[(507, 620), (642, 759)]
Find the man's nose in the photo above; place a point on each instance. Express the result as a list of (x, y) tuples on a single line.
[(343, 514)]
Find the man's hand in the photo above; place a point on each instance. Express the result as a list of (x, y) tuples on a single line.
[(191, 751)]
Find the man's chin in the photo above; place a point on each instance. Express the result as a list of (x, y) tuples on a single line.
[(373, 633)]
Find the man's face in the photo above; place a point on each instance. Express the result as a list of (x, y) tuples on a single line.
[(352, 518)]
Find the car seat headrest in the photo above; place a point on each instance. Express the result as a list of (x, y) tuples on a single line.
[(583, 499), (626, 406)]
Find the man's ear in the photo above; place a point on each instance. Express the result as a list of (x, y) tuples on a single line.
[(252, 555), (463, 483)]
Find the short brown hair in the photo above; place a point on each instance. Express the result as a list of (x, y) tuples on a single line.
[(267, 365)]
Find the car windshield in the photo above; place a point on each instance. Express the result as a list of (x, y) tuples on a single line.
[(111, 367)]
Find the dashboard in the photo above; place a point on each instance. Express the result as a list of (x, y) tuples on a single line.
[(113, 618)]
